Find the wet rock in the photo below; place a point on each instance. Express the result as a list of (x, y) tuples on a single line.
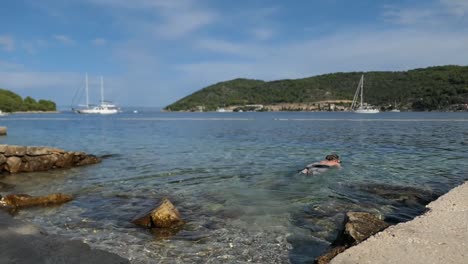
[(15, 159), (327, 257), (24, 200), (3, 131), (403, 195), (165, 215), (362, 225), (358, 227)]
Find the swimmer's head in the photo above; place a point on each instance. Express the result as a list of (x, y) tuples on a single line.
[(332, 157)]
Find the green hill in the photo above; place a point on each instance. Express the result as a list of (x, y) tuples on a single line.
[(433, 88), (11, 102)]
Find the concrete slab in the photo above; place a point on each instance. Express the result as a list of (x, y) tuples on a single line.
[(438, 236)]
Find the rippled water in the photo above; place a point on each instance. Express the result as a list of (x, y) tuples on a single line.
[(233, 177)]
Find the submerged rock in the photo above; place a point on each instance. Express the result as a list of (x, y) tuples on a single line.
[(401, 195), (24, 200), (15, 159), (165, 215), (5, 187)]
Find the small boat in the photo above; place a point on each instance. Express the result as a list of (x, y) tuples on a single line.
[(104, 108), (395, 109), (360, 107)]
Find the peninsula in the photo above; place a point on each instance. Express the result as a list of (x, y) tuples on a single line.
[(12, 102), (440, 88)]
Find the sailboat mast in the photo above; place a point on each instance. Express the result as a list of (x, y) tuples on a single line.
[(102, 90), (362, 88), (87, 93)]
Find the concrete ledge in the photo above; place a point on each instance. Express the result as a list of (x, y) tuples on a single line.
[(438, 236)]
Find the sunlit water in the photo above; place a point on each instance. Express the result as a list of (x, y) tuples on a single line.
[(233, 177)]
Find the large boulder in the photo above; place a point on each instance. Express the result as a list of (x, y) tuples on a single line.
[(165, 215), (24, 200), (13, 164)]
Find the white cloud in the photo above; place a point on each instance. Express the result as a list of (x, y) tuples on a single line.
[(99, 42), (263, 33), (456, 7), (351, 51), (439, 13), (7, 43), (183, 22), (64, 39), (165, 18)]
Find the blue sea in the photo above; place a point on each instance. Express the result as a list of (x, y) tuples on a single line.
[(233, 177)]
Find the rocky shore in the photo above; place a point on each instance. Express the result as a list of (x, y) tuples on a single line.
[(22, 242), (438, 236), (15, 159)]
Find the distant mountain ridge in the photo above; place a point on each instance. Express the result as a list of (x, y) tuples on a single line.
[(425, 89)]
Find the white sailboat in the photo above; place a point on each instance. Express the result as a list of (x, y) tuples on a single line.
[(360, 107), (104, 108), (395, 109)]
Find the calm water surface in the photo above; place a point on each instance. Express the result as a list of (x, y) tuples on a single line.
[(233, 177)]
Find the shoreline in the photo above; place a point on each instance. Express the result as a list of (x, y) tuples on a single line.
[(35, 112), (437, 236), (23, 242)]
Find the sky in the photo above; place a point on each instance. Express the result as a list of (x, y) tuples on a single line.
[(154, 52)]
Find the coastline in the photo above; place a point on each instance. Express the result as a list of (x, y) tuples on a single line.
[(437, 236), (36, 112), (23, 242)]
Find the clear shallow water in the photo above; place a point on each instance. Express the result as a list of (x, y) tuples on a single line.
[(233, 177)]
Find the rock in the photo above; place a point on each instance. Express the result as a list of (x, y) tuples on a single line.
[(358, 227), (12, 150), (3, 131), (13, 164), (325, 258), (362, 225), (87, 160), (143, 219), (64, 161), (30, 159), (24, 200), (2, 159), (36, 151), (165, 215)]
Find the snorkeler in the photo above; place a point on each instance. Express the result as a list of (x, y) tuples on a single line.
[(331, 161)]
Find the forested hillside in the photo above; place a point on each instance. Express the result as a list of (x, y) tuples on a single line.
[(11, 102), (433, 88)]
